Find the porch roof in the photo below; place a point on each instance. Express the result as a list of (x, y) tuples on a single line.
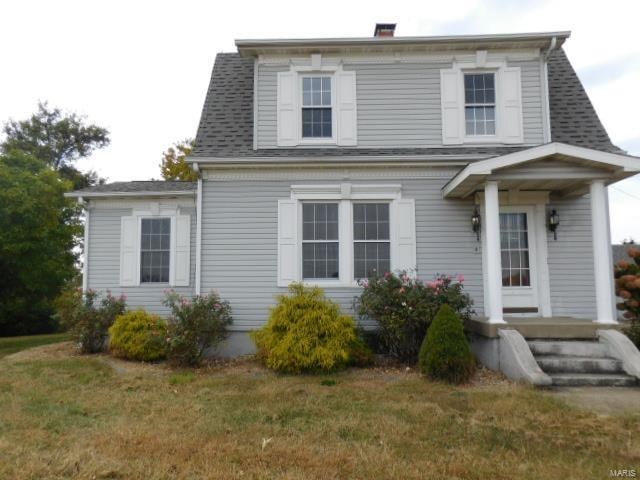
[(559, 168)]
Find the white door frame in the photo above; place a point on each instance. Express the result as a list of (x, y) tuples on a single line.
[(536, 203)]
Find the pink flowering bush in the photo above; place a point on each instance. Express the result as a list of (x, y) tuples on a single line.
[(88, 317), (404, 307), (194, 325)]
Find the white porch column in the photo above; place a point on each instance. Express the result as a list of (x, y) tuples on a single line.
[(491, 256), (602, 259)]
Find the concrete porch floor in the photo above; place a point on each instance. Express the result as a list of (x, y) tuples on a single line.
[(540, 327)]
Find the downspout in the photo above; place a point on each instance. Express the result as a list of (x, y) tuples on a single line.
[(545, 86), (85, 260), (198, 230)]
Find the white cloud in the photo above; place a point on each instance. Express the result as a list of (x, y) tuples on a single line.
[(142, 68)]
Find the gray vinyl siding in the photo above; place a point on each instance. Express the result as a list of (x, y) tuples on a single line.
[(399, 104), (239, 243), (104, 261), (571, 273)]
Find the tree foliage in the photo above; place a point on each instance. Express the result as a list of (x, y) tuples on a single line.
[(627, 275), (38, 227), (58, 139), (174, 165)]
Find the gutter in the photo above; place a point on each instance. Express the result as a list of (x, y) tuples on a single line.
[(176, 193)]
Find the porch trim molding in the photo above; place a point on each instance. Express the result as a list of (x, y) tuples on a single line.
[(624, 165)]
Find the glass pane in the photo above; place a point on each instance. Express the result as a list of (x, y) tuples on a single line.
[(306, 97), (504, 258), (526, 279), (146, 226), (515, 259), (383, 231), (505, 278)]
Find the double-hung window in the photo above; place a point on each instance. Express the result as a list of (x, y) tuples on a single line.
[(320, 242), (372, 242), (155, 250), (480, 104), (316, 107)]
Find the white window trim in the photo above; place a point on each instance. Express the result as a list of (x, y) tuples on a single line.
[(172, 214), (330, 71), (346, 195), (333, 139), (480, 65)]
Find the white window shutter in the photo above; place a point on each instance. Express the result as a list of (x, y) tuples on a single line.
[(347, 121), (286, 109), (287, 242), (404, 236), (181, 251), (452, 107), (129, 240), (510, 91)]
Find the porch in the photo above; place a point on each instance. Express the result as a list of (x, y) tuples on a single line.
[(540, 327), (515, 196)]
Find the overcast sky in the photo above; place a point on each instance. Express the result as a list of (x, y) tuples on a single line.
[(141, 69)]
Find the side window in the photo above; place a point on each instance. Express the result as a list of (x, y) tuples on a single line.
[(316, 107), (371, 240), (155, 250), (320, 244), (480, 104)]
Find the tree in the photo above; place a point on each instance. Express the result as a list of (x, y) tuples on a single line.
[(58, 139), (38, 228), (627, 284), (174, 165)]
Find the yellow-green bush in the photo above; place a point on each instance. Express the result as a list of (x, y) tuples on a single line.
[(138, 335), (307, 333)]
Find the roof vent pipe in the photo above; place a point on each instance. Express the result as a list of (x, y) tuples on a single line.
[(384, 30)]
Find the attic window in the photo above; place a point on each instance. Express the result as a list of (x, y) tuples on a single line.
[(316, 107)]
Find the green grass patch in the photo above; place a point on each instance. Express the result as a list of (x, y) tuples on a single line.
[(9, 345)]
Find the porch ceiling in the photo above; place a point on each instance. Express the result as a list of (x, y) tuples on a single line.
[(558, 168)]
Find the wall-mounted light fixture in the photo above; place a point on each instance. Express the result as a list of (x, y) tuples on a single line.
[(475, 223), (554, 221)]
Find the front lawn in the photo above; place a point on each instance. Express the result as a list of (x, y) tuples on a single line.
[(70, 416), (9, 345)]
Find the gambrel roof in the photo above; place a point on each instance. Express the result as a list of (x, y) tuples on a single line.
[(226, 124)]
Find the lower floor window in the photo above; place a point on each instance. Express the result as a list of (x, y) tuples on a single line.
[(155, 248), (372, 243), (320, 242)]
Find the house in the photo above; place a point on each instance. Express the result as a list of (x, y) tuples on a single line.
[(324, 160)]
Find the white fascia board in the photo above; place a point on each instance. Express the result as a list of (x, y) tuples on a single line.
[(177, 193), (488, 166), (252, 46), (456, 159)]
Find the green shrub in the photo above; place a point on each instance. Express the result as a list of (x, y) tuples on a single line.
[(404, 307), (195, 325), (445, 353), (88, 317), (307, 333), (139, 335)]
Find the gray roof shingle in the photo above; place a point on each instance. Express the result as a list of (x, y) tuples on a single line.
[(226, 123), (573, 118), (136, 187)]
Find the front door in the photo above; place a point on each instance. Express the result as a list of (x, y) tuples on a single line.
[(517, 248)]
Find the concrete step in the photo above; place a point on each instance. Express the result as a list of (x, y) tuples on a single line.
[(567, 347), (592, 379), (578, 364)]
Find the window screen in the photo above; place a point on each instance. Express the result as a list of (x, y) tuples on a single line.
[(372, 246), (320, 256), (480, 103), (316, 107), (155, 249)]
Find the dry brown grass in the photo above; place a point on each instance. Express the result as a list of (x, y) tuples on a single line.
[(70, 416)]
